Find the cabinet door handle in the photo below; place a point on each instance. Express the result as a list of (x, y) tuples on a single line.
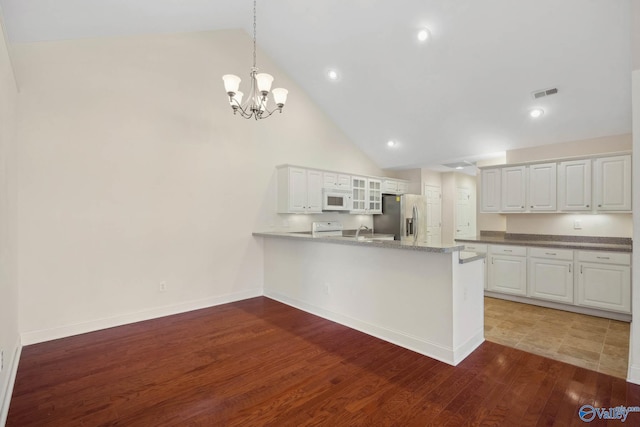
[(523, 207), (602, 257), (569, 268), (599, 206), (508, 250), (587, 205), (580, 269), (551, 253), (531, 206)]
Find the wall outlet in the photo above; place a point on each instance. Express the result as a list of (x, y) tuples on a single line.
[(162, 287), (577, 224), (327, 289)]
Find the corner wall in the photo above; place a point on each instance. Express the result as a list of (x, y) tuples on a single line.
[(9, 336), (134, 172)]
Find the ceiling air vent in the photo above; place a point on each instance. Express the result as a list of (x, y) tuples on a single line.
[(546, 92), (458, 165)]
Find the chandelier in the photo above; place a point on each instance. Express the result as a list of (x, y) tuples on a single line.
[(255, 104)]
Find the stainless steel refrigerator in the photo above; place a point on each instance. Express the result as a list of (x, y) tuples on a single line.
[(404, 217)]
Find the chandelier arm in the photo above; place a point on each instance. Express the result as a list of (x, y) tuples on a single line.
[(262, 116), (235, 105)]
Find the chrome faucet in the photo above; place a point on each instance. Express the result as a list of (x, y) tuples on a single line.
[(361, 227)]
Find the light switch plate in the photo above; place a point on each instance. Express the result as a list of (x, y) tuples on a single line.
[(577, 224)]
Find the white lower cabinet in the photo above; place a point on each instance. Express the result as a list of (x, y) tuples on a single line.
[(551, 274), (507, 270), (604, 280), (591, 279)]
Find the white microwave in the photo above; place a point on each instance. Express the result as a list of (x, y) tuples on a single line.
[(336, 200)]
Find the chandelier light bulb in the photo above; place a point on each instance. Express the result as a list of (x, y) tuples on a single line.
[(231, 83), (264, 82), (332, 74), (391, 143), (280, 96)]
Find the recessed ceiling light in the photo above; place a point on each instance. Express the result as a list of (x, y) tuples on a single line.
[(391, 143), (424, 35), (538, 112), (333, 75)]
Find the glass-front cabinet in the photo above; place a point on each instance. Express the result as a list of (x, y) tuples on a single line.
[(359, 191), (367, 195), (375, 196)]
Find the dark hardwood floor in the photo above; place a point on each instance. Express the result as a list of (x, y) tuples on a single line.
[(258, 362)]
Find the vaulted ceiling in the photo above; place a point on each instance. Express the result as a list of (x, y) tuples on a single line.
[(464, 94)]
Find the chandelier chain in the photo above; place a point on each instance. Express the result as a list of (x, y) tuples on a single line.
[(254, 33)]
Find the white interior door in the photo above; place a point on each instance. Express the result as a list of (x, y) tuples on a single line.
[(434, 214), (463, 212)]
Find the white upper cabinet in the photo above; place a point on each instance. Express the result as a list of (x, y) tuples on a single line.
[(359, 194), (612, 183), (299, 190), (574, 185), (393, 186), (374, 195), (542, 187), (336, 181), (490, 194), (514, 189), (366, 195)]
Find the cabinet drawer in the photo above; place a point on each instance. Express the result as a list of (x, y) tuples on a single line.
[(508, 250), (551, 253), (475, 248), (605, 257)]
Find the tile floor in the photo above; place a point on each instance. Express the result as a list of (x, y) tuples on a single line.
[(590, 342)]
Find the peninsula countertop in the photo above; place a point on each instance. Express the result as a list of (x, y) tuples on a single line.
[(610, 244), (368, 240)]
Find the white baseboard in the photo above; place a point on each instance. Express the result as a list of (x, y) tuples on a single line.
[(8, 392), (633, 375), (34, 337), (432, 350), (466, 348)]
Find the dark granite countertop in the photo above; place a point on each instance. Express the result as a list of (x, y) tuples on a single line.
[(612, 244)]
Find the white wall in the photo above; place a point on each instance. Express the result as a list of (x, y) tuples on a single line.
[(583, 147), (134, 171), (9, 337), (634, 348), (430, 177)]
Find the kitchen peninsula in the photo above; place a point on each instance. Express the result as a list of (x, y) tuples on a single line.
[(425, 298)]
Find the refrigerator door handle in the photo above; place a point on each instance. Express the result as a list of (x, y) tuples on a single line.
[(416, 223)]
